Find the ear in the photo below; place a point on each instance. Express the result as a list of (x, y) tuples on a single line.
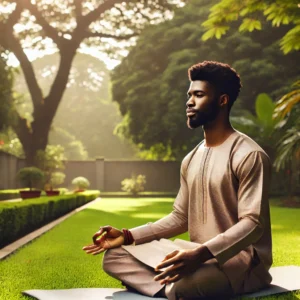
[(224, 100)]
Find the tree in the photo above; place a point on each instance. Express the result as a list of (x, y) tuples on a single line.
[(151, 82), (287, 112), (261, 126), (66, 26), (278, 12), (286, 103), (86, 112), (6, 93)]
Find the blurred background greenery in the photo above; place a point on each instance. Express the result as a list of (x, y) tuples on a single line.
[(110, 78)]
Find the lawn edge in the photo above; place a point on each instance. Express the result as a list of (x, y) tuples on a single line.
[(11, 248)]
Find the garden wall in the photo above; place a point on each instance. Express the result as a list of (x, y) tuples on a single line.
[(106, 175)]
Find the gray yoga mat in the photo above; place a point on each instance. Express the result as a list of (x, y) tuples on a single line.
[(285, 279)]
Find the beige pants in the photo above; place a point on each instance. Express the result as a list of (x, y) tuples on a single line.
[(207, 281)]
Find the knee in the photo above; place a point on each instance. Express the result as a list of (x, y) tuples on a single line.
[(109, 263), (181, 289)]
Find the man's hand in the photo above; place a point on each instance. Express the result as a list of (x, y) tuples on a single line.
[(179, 263), (106, 238)]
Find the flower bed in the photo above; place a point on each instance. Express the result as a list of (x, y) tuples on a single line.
[(19, 218)]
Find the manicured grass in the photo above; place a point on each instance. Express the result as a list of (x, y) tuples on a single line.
[(56, 261)]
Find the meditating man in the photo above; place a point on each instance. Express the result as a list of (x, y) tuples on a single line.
[(222, 203)]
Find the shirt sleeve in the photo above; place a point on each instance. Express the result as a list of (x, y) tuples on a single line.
[(171, 225), (253, 173)]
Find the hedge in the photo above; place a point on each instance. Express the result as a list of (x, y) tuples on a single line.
[(20, 218)]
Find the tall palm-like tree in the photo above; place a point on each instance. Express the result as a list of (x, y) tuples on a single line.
[(286, 103), (288, 148)]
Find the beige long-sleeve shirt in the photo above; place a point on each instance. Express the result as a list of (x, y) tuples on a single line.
[(223, 204)]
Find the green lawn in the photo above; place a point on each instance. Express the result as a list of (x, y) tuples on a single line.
[(56, 261)]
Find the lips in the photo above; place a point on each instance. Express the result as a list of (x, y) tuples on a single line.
[(190, 112)]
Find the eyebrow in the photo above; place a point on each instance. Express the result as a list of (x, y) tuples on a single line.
[(195, 91)]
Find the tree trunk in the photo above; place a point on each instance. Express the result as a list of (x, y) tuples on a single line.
[(36, 137), (33, 139)]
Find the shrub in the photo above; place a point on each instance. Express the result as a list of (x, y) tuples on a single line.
[(50, 161), (20, 218), (57, 178), (30, 177), (134, 185), (80, 183)]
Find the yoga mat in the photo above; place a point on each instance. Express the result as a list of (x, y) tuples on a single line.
[(285, 279)]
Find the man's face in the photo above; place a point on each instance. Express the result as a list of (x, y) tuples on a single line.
[(202, 105)]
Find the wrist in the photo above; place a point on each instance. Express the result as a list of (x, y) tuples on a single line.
[(203, 253), (127, 236)]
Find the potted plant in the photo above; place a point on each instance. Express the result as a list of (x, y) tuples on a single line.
[(51, 161), (80, 183), (56, 179), (30, 177)]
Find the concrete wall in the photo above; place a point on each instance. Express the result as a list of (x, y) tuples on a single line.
[(106, 175), (9, 165)]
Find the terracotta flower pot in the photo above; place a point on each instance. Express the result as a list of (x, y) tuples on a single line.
[(52, 193), (30, 194)]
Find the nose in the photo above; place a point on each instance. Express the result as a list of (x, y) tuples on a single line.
[(190, 102)]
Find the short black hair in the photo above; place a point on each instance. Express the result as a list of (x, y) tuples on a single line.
[(221, 76)]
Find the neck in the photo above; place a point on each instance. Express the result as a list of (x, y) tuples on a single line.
[(216, 132)]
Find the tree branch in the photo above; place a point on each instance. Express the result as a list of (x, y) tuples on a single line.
[(10, 42), (59, 84), (145, 16), (95, 14), (50, 31), (78, 9), (14, 16), (112, 36)]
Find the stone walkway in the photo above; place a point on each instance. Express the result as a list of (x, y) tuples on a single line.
[(11, 200), (9, 249)]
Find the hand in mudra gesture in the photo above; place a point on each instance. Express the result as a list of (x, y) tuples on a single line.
[(106, 238)]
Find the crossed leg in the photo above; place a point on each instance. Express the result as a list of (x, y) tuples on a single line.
[(207, 281)]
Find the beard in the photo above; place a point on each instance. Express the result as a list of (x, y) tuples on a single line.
[(203, 117)]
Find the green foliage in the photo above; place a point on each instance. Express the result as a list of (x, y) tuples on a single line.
[(73, 148), (6, 93), (289, 149), (287, 112), (57, 178), (50, 160), (150, 84), (286, 103), (12, 146), (86, 117), (134, 185), (247, 25), (260, 126), (20, 218), (264, 107), (30, 176), (278, 13), (67, 27), (81, 183)]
